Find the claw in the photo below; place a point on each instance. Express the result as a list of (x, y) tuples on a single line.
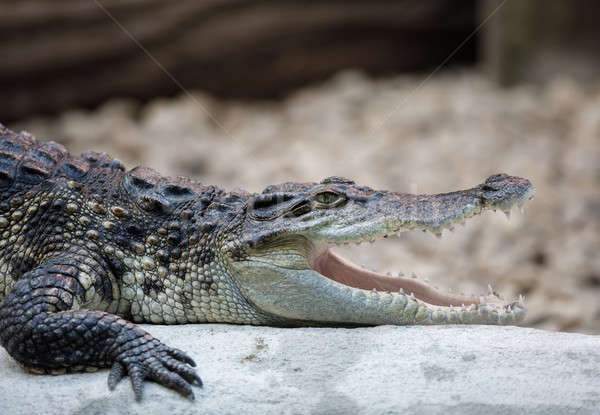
[(153, 360), (184, 371), (179, 355), (117, 372), (197, 381), (136, 374), (172, 379)]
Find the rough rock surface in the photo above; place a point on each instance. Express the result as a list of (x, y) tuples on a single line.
[(419, 370), (401, 134)]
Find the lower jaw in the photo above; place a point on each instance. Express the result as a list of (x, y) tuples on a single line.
[(425, 302)]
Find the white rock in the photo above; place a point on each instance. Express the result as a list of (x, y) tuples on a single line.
[(261, 370)]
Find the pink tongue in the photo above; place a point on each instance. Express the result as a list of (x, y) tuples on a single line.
[(345, 272)]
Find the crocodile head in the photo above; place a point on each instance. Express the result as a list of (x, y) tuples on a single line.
[(283, 264)]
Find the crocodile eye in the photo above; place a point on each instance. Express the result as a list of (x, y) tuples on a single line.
[(329, 199)]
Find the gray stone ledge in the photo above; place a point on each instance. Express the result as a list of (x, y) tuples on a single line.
[(378, 370)]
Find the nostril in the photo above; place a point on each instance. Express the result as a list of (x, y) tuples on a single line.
[(488, 188)]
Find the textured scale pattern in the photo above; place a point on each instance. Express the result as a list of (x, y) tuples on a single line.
[(83, 241)]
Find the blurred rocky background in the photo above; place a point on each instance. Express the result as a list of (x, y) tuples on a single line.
[(404, 95)]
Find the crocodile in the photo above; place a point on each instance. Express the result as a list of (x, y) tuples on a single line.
[(88, 249)]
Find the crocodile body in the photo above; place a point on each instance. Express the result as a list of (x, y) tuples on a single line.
[(88, 248)]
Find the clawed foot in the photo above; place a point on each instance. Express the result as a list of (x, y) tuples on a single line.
[(155, 361)]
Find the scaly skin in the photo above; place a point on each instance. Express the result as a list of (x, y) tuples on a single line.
[(87, 247)]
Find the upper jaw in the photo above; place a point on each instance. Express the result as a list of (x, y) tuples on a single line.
[(385, 213)]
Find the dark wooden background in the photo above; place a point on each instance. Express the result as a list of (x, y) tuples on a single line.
[(69, 53)]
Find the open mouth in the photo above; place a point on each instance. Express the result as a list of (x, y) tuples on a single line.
[(344, 271)]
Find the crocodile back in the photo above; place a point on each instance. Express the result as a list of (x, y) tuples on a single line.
[(48, 195)]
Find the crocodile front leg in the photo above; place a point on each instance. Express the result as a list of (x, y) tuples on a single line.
[(43, 327)]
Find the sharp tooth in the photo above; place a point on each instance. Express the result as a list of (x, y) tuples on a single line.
[(412, 295), (374, 290), (522, 207), (463, 308), (507, 214), (401, 291), (490, 289), (521, 300)]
